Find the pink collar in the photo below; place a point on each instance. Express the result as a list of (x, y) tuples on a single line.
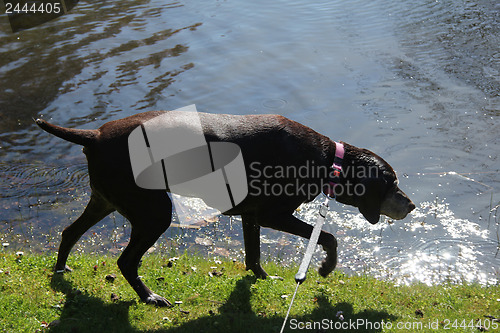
[(336, 170)]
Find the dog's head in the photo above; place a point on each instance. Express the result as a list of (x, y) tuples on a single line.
[(369, 183)]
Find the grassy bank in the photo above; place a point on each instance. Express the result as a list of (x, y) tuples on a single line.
[(216, 296)]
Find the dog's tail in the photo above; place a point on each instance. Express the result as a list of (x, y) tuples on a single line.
[(78, 136)]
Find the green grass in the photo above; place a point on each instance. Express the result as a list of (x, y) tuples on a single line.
[(229, 299)]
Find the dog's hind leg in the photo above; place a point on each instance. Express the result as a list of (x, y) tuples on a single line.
[(291, 224), (148, 223), (251, 236), (96, 210)]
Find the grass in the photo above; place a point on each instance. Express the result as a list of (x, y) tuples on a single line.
[(223, 297)]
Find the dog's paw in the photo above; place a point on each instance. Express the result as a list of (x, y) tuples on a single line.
[(328, 264), (158, 300), (276, 277), (259, 272), (64, 270)]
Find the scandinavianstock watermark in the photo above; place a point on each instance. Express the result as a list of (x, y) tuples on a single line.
[(306, 180), (363, 325)]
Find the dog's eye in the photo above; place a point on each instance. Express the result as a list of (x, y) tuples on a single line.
[(393, 187)]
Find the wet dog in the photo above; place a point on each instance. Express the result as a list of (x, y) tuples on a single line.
[(274, 149)]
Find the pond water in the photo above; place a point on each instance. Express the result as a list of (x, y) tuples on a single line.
[(416, 82)]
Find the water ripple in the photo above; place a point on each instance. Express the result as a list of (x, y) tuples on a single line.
[(30, 179)]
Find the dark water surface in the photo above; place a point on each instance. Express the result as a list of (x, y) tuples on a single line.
[(416, 82)]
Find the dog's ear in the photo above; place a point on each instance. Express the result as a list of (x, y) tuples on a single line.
[(370, 201)]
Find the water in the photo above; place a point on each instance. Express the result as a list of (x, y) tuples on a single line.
[(416, 82)]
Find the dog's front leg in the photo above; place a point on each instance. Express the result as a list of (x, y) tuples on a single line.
[(251, 236), (288, 223)]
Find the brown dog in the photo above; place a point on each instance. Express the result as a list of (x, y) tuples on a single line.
[(284, 161)]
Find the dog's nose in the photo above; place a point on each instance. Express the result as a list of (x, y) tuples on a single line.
[(411, 206)]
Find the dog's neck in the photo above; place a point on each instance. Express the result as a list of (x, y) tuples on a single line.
[(336, 170)]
